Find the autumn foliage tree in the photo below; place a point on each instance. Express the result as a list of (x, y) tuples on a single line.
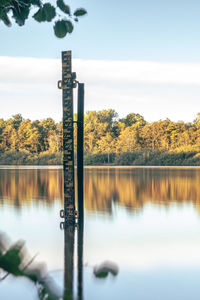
[(105, 134)]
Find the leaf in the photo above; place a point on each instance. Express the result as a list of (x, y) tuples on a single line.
[(39, 16), (4, 18), (50, 12), (45, 13), (70, 26), (60, 29), (12, 259), (20, 15), (105, 268), (101, 274), (36, 2), (3, 3), (80, 12), (65, 8), (76, 19)]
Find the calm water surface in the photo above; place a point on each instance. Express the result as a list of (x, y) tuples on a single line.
[(146, 221)]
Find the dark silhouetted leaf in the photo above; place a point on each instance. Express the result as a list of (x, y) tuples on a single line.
[(21, 14), (76, 19), (105, 268), (60, 29), (36, 2), (39, 16), (80, 12), (11, 260), (65, 8), (101, 274), (49, 11), (70, 26), (4, 2), (4, 18), (45, 13)]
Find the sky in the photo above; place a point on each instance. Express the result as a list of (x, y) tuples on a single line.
[(133, 56)]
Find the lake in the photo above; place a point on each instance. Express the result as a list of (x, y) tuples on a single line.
[(144, 222)]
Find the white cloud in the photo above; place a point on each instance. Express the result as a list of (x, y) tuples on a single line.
[(139, 72), (155, 90)]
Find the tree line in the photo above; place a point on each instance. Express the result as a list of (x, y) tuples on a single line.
[(105, 134)]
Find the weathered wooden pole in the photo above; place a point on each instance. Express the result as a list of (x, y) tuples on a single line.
[(80, 149), (68, 137), (67, 84)]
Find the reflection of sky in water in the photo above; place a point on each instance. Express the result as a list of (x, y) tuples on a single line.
[(157, 250), (155, 238)]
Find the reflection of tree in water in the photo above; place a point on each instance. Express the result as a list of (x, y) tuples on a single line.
[(131, 188), (22, 186)]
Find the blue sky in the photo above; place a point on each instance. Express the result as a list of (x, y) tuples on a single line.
[(135, 30), (146, 31)]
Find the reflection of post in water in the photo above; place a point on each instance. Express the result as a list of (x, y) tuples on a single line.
[(69, 262), (80, 260)]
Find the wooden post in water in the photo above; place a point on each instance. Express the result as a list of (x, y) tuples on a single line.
[(80, 175), (68, 138), (67, 84), (80, 149)]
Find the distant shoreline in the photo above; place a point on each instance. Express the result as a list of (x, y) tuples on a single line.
[(143, 158), (52, 167)]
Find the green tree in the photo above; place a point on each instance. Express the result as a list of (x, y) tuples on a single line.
[(55, 139), (132, 118), (15, 121), (106, 144), (28, 136), (197, 121), (45, 129), (129, 140), (2, 126), (97, 125), (8, 138)]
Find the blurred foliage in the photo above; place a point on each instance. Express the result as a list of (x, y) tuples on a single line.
[(19, 11), (107, 140), (101, 271), (12, 262)]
